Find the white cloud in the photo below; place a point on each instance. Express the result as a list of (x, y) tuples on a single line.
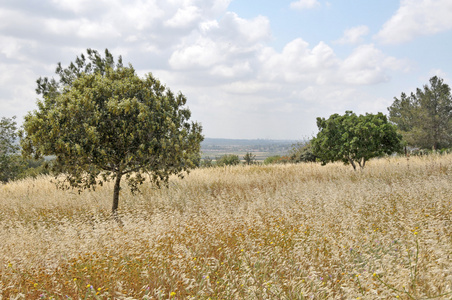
[(12, 48), (82, 28), (219, 6), (244, 31), (184, 16), (13, 94), (354, 35), (202, 53), (76, 6), (304, 4), (207, 26), (415, 18), (140, 15), (368, 65), (298, 63), (248, 87), (235, 71), (225, 47), (437, 72)]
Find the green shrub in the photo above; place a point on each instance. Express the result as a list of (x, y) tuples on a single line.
[(272, 159), (206, 162), (284, 160), (33, 168), (228, 160), (302, 153)]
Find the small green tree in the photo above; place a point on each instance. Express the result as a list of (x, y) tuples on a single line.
[(10, 160), (249, 158), (102, 122), (355, 139), (228, 160)]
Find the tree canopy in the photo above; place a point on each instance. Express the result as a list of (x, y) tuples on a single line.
[(425, 118), (354, 139), (249, 158), (102, 122), (91, 63)]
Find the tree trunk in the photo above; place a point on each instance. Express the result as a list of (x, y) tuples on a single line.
[(352, 163), (114, 208)]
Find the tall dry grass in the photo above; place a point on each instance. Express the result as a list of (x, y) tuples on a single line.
[(259, 232)]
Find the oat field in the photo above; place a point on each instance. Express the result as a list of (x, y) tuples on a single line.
[(257, 232)]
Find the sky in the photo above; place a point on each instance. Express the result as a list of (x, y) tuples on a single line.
[(250, 69)]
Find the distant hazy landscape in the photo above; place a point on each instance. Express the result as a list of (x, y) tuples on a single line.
[(262, 148)]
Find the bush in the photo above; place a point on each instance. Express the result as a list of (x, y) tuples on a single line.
[(277, 159), (302, 153), (228, 160), (272, 159), (284, 160), (33, 168), (206, 162)]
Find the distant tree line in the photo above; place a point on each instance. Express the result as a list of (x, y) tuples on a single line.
[(229, 160), (299, 152), (12, 164)]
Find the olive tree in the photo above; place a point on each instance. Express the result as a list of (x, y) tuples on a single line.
[(103, 122), (355, 139)]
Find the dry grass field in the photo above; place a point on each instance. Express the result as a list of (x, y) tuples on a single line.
[(259, 232)]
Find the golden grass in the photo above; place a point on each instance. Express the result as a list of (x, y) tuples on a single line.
[(258, 232)]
